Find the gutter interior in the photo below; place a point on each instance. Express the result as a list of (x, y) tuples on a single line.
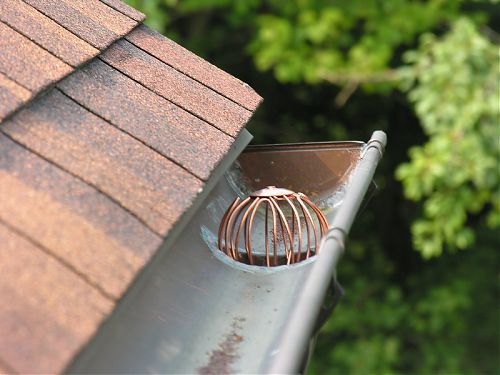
[(196, 310)]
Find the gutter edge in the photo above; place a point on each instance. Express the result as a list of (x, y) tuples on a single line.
[(300, 325)]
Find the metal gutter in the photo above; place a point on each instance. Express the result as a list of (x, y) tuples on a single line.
[(195, 310), (301, 322)]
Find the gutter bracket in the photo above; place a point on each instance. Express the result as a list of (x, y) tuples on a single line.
[(337, 234), (376, 143)]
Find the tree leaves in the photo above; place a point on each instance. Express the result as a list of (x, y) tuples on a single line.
[(456, 172), (311, 40)]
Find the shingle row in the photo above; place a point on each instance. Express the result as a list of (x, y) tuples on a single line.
[(42, 41)]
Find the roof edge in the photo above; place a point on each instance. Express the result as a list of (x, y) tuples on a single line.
[(78, 364)]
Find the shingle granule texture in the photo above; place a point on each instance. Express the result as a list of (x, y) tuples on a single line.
[(72, 220), (12, 95), (46, 32), (41, 42), (91, 20), (47, 310), (141, 180), (178, 88), (164, 126), (24, 62), (194, 66)]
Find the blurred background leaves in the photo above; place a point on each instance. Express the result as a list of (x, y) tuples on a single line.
[(427, 73)]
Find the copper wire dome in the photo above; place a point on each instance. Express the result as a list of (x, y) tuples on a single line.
[(276, 226)]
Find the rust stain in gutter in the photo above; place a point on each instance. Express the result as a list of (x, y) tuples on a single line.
[(222, 358)]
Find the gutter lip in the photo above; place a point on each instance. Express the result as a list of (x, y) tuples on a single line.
[(300, 325), (280, 147)]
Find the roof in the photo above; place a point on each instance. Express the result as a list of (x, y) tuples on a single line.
[(108, 133)]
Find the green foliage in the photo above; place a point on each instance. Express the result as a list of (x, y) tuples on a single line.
[(340, 41), (433, 323), (453, 84), (156, 17)]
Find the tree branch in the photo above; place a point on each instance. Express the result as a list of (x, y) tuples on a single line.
[(350, 82), (389, 75)]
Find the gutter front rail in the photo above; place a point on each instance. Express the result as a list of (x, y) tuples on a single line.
[(301, 323)]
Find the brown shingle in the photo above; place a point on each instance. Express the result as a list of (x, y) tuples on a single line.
[(12, 96), (125, 9), (6, 369), (157, 122), (93, 21), (176, 87), (143, 181), (26, 63), (74, 221), (47, 310), (194, 66), (46, 32)]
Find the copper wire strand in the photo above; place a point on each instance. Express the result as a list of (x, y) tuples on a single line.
[(230, 227), (245, 236), (285, 223), (313, 224), (232, 217), (296, 216), (308, 229), (242, 223), (227, 244), (250, 224), (223, 224), (282, 228), (266, 235), (233, 240), (321, 217), (275, 240), (293, 237), (290, 231), (323, 223)]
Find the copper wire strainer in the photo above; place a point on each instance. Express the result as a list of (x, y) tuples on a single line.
[(288, 227)]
